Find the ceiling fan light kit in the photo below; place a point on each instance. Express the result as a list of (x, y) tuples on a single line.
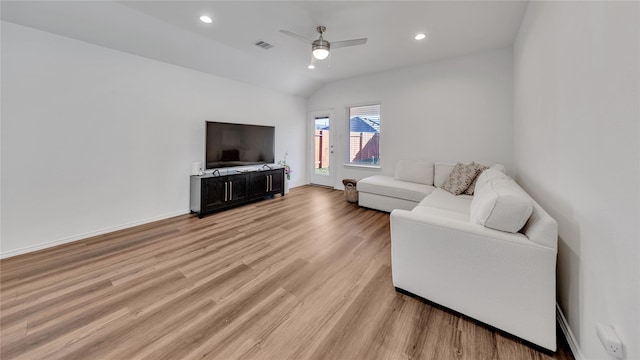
[(320, 48)]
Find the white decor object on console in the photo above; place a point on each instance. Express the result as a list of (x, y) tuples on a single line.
[(196, 168)]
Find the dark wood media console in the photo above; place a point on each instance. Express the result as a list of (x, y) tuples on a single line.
[(213, 192)]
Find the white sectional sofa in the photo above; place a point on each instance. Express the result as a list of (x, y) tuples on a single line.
[(491, 256)]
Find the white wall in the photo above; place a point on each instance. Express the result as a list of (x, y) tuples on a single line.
[(95, 139), (452, 110), (577, 151)]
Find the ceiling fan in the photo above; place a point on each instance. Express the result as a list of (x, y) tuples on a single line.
[(320, 48)]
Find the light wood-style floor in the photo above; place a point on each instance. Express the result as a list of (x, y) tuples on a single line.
[(305, 276)]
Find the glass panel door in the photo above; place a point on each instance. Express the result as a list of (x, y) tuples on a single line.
[(322, 152)]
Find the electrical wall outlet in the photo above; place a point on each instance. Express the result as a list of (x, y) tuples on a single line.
[(610, 340)]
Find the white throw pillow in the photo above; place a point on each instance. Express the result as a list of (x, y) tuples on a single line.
[(415, 172), (441, 174), (499, 167), (494, 172), (500, 204)]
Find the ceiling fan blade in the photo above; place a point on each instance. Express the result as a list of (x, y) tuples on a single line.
[(339, 44), (301, 38)]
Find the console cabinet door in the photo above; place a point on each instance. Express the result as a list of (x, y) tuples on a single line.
[(238, 188), (265, 183), (277, 181), (213, 193), (258, 183)]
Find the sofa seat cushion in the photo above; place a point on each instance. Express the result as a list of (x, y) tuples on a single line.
[(388, 186), (442, 199)]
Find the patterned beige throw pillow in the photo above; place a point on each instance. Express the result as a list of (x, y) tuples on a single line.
[(472, 187), (460, 178)]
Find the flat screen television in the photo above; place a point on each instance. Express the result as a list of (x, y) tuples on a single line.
[(230, 144)]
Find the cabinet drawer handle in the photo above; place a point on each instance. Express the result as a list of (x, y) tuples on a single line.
[(266, 178), (225, 191), (230, 190)]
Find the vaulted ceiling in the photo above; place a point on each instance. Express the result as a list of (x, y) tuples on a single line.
[(170, 31)]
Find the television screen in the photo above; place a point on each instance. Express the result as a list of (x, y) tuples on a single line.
[(238, 145)]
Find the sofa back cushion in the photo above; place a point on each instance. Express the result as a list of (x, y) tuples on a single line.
[(501, 204), (441, 173), (415, 172)]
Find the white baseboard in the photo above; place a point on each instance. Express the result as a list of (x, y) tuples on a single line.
[(568, 334), (77, 237)]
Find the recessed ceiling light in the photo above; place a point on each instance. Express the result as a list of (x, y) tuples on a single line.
[(311, 66), (206, 19), (420, 36)]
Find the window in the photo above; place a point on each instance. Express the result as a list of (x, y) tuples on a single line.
[(364, 135)]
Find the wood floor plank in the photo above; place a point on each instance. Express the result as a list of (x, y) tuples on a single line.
[(257, 323), (57, 346), (357, 327), (304, 276), (474, 342)]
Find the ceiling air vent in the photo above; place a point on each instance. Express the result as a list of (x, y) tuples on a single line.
[(264, 45)]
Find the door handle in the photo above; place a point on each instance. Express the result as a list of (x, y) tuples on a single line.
[(266, 179), (225, 191), (270, 182), (230, 190)]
